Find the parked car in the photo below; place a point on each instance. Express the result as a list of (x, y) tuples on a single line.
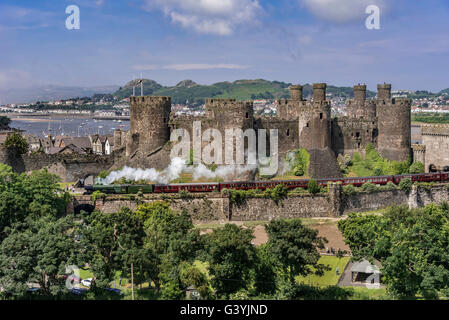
[(115, 290), (78, 291), (86, 282)]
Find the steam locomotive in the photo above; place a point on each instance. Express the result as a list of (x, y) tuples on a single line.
[(439, 176)]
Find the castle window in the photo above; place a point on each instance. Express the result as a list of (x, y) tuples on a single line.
[(165, 120), (358, 144), (357, 134), (321, 116), (288, 132), (247, 115), (307, 125)]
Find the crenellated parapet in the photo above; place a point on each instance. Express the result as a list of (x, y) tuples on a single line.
[(435, 129)]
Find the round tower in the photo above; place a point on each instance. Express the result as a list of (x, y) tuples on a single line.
[(360, 93), (296, 93), (319, 92), (394, 126), (384, 91), (149, 122)]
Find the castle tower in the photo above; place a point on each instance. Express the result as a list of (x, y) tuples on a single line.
[(315, 134), (315, 120), (394, 125), (319, 92), (296, 93), (360, 93), (148, 124), (359, 107), (383, 91)]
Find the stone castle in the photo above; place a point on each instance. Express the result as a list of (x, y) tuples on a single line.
[(383, 122)]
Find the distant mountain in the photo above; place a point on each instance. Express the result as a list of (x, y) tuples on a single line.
[(50, 92), (194, 93), (444, 91)]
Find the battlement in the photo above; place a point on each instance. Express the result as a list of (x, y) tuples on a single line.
[(435, 129), (419, 147), (149, 99), (319, 92), (384, 91), (360, 92), (296, 92)]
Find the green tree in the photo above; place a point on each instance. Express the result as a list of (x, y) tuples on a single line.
[(4, 122), (112, 243), (295, 248), (16, 143), (38, 254), (410, 244), (172, 240), (313, 187), (416, 167), (231, 258)]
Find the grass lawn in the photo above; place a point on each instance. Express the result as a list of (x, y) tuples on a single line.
[(330, 278), (362, 293)]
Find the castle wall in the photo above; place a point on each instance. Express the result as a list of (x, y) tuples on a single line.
[(350, 135), (435, 137), (149, 123), (384, 122), (394, 122), (213, 207), (419, 153)]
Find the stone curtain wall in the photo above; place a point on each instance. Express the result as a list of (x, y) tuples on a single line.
[(302, 206), (213, 207), (365, 201), (69, 167)]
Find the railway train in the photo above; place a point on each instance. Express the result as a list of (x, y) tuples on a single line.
[(439, 176)]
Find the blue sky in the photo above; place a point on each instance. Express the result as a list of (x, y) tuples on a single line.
[(297, 41)]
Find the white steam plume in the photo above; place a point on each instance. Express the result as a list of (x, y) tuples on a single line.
[(173, 171)]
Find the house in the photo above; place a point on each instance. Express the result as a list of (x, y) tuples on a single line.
[(366, 272), (34, 142), (82, 143), (69, 149), (102, 145)]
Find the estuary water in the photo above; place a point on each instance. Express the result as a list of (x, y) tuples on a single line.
[(67, 126)]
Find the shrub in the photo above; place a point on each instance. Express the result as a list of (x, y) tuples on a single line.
[(390, 186), (97, 195), (184, 194), (349, 189), (417, 167), (378, 171), (17, 143), (277, 193), (405, 185), (298, 171), (369, 187), (300, 162), (103, 174), (313, 187)]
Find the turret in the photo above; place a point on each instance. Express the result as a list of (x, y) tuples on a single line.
[(384, 91), (296, 93), (319, 92), (360, 93), (149, 122)]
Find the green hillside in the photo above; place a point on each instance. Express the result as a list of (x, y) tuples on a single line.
[(194, 93)]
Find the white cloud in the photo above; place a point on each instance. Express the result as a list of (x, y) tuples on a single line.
[(208, 16), (190, 66), (14, 79), (340, 11)]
